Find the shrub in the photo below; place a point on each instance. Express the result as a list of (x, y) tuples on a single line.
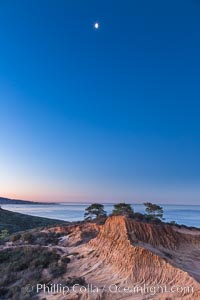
[(55, 270), (139, 217), (28, 237), (16, 237), (65, 260), (173, 223), (76, 280), (4, 234)]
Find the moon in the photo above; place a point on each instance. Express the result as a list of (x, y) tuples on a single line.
[(96, 25)]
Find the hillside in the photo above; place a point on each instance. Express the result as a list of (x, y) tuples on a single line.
[(13, 221), (16, 201), (122, 253)]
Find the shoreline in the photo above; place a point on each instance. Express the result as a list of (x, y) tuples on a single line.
[(186, 215), (41, 221)]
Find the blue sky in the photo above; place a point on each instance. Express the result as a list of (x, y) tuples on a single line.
[(100, 115)]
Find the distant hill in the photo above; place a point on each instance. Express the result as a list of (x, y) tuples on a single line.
[(15, 201), (13, 221)]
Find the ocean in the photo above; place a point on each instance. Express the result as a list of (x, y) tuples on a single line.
[(183, 214)]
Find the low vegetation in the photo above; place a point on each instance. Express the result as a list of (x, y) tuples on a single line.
[(25, 265), (13, 222), (4, 234), (35, 237)]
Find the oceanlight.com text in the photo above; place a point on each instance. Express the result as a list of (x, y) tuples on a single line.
[(143, 289)]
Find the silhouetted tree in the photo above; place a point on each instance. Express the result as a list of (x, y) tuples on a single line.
[(123, 209), (173, 223), (95, 210), (153, 211)]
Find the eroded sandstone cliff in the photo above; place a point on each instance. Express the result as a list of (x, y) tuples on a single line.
[(125, 253)]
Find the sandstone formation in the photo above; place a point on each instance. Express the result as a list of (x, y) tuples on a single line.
[(127, 256)]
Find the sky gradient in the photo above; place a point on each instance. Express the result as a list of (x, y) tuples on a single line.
[(100, 115)]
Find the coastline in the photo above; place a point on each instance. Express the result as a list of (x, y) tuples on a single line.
[(120, 250), (182, 214)]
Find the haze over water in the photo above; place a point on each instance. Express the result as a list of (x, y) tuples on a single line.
[(182, 214)]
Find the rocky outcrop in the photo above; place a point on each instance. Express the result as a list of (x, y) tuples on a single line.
[(76, 234), (130, 254), (157, 235), (137, 252)]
